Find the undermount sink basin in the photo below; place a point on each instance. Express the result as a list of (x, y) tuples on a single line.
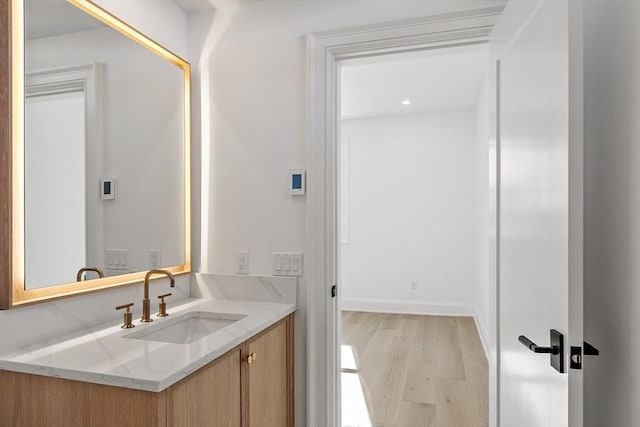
[(186, 328)]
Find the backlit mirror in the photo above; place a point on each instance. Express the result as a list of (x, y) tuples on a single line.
[(104, 157)]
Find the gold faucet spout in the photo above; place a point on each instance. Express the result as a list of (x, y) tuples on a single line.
[(146, 302), (85, 269)]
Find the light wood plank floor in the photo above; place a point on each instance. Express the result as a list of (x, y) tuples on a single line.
[(415, 370)]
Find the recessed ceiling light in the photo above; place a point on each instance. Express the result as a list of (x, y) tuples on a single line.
[(406, 102)]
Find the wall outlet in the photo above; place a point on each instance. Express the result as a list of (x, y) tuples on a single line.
[(155, 258), (242, 262), (414, 286)]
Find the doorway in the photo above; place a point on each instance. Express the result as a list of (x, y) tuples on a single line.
[(326, 50), (413, 263)]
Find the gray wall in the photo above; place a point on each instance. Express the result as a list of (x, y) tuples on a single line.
[(612, 211)]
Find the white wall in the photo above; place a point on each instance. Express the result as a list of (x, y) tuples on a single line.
[(413, 213), (612, 212), (253, 65)]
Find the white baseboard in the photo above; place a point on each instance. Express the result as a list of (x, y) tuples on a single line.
[(433, 308), (429, 308), (482, 330)]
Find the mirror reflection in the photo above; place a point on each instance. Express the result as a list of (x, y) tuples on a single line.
[(104, 150)]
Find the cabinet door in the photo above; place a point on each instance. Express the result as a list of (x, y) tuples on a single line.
[(268, 378), (208, 397), (34, 400)]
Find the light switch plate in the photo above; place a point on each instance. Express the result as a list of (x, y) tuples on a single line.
[(287, 264), (117, 259)]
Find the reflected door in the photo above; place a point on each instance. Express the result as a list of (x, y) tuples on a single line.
[(55, 206)]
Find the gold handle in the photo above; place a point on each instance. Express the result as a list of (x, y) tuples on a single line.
[(162, 297), (251, 358), (128, 320), (120, 307), (162, 307)]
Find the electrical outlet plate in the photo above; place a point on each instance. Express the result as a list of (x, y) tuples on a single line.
[(242, 262), (155, 258)]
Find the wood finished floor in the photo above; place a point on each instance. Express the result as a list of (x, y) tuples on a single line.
[(418, 370)]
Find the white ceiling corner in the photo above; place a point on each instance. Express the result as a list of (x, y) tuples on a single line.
[(192, 6)]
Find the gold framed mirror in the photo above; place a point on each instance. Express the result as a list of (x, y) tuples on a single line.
[(17, 283)]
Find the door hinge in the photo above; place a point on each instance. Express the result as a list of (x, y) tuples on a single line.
[(334, 291)]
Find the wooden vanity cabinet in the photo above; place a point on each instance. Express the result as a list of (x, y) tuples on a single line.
[(251, 386), (267, 378), (208, 397), (228, 392)]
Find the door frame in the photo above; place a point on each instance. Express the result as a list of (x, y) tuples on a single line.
[(325, 50)]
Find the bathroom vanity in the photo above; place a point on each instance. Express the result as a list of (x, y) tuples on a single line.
[(224, 355), (228, 391), (211, 362)]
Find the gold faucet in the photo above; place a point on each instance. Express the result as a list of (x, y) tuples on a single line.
[(85, 269), (146, 302)]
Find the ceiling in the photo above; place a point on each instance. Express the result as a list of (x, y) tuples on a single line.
[(191, 6), (445, 79), (48, 18), (436, 80)]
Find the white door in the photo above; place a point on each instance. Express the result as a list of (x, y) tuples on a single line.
[(538, 45), (55, 188)]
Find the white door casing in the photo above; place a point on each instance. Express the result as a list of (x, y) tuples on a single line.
[(538, 45), (324, 52)]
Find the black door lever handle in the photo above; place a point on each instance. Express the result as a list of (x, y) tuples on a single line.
[(536, 348), (590, 350), (555, 350)]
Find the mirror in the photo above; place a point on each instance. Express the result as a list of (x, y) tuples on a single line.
[(103, 154)]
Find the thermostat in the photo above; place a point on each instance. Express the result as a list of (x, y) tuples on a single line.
[(108, 188), (297, 181)]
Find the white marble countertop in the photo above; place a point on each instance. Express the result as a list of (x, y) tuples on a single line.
[(102, 355)]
